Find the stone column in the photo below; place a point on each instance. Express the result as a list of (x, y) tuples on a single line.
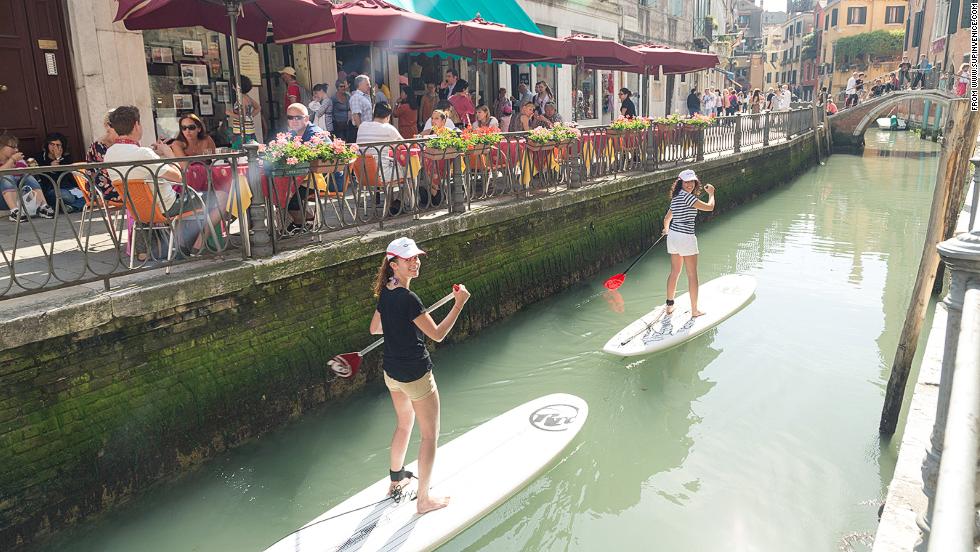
[(110, 67), (962, 257)]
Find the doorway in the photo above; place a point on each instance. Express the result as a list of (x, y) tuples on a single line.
[(36, 87)]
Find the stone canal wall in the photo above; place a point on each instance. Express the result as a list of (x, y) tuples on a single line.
[(102, 396)]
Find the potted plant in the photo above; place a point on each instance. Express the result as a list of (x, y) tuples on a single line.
[(540, 139), (481, 139), (287, 156), (445, 145), (565, 133), (330, 155)]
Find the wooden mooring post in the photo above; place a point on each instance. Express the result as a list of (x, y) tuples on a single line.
[(962, 127)]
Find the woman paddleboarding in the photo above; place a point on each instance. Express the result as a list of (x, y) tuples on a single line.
[(402, 318), (682, 244)]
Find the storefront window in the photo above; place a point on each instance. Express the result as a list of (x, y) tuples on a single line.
[(587, 95), (189, 73)]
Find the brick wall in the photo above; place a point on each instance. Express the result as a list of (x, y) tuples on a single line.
[(136, 385)]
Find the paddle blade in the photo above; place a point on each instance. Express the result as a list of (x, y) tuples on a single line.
[(615, 281), (345, 365)]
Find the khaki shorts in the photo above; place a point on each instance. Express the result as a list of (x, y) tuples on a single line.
[(416, 390)]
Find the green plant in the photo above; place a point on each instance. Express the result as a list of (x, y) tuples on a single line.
[(447, 139), (633, 123), (876, 43), (809, 50)]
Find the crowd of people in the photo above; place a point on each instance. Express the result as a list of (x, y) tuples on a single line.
[(719, 102)]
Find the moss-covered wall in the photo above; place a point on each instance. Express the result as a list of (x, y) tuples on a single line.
[(136, 385)]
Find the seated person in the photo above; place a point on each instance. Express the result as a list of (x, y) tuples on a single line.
[(11, 187), (96, 154), (831, 106), (380, 129), (298, 120), (193, 139), (164, 177), (526, 119), (444, 106), (551, 114), (484, 119), (56, 154)]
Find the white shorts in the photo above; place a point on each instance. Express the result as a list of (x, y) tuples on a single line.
[(681, 244)]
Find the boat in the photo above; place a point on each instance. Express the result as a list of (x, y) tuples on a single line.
[(892, 123)]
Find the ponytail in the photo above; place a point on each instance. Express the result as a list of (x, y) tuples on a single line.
[(385, 273), (676, 188)]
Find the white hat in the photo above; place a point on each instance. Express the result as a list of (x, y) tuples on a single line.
[(403, 248), (687, 175), (288, 70)]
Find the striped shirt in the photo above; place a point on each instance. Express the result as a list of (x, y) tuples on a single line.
[(683, 212)]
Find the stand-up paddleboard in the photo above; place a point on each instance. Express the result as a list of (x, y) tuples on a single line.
[(657, 330), (479, 471)]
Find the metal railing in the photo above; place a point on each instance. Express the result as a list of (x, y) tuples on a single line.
[(113, 219), (950, 523)]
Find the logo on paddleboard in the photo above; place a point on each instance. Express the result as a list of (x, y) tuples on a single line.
[(554, 417)]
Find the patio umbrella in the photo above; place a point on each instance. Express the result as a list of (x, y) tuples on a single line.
[(484, 40), (388, 26), (676, 61), (588, 52), (294, 21), (672, 61)]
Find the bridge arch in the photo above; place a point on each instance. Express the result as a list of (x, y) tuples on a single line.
[(848, 126)]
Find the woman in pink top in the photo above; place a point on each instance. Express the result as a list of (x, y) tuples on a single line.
[(462, 103)]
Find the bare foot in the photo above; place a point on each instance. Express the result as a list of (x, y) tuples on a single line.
[(430, 503), (696, 314), (670, 309)]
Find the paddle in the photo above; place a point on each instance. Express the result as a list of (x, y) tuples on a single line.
[(347, 364), (617, 280)]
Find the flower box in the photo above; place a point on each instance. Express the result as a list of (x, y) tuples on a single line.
[(327, 167), (480, 149), (539, 146), (435, 154), (282, 169)]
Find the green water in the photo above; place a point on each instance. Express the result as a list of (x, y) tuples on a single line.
[(758, 436)]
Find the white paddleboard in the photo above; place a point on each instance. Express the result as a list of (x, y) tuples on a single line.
[(657, 330), (479, 470)]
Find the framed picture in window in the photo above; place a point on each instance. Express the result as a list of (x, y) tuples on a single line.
[(206, 104), (184, 102), (193, 48), (222, 92), (193, 74), (161, 55)]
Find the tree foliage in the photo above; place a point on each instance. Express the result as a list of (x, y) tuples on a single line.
[(875, 43), (809, 50)]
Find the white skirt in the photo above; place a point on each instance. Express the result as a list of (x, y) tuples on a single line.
[(681, 244)]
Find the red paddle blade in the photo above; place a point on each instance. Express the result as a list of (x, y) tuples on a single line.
[(345, 365), (615, 281)]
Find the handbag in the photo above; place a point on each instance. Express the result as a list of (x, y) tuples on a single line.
[(30, 202)]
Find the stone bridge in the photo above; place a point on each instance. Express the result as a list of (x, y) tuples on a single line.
[(848, 125)]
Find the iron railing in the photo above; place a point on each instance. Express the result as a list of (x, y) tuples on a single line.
[(140, 215)]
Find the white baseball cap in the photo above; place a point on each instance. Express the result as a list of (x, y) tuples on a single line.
[(288, 70), (687, 175), (403, 248)]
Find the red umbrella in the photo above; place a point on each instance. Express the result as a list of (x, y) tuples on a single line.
[(676, 61), (378, 22), (302, 21), (484, 40), (600, 53)]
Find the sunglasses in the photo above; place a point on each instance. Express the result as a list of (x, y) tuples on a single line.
[(295, 117), (188, 127)]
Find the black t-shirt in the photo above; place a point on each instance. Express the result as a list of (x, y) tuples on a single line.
[(629, 107), (406, 358)]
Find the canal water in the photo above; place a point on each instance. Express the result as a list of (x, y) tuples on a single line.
[(760, 435)]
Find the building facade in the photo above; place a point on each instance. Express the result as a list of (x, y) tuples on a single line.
[(847, 18), (939, 30)]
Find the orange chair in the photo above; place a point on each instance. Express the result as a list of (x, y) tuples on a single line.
[(368, 177), (145, 209), (95, 201)]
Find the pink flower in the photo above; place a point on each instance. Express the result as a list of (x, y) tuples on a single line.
[(292, 161)]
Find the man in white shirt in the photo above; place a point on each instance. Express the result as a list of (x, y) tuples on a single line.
[(783, 99), (851, 91), (125, 120), (361, 109), (380, 129)]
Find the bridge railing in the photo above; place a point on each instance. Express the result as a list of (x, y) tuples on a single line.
[(108, 220)]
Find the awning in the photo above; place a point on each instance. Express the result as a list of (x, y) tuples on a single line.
[(505, 12)]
